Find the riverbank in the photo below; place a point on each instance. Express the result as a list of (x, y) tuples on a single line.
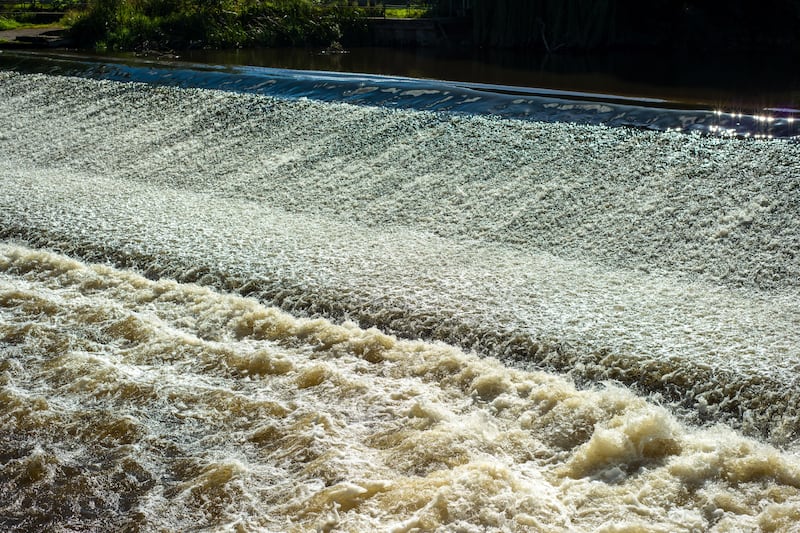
[(538, 26), (157, 25), (50, 36), (384, 32)]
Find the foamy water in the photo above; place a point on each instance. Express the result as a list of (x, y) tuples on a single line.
[(666, 263), (130, 403)]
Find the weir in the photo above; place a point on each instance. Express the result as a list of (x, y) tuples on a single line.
[(656, 270), (494, 311), (665, 261)]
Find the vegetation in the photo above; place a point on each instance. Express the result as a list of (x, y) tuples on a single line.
[(406, 12), (169, 24), (548, 25), (8, 24), (27, 14)]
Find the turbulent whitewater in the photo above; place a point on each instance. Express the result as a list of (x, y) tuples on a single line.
[(234, 311)]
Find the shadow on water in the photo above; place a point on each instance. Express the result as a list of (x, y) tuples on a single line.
[(747, 83)]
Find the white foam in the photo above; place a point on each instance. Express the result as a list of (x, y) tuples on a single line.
[(164, 431)]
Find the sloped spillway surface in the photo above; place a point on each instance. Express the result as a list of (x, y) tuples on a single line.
[(664, 261)]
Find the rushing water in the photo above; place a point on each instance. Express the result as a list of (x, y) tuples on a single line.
[(573, 327)]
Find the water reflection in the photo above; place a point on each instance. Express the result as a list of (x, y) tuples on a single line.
[(732, 82)]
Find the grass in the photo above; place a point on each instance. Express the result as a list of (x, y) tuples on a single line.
[(407, 13), (12, 24), (9, 24)]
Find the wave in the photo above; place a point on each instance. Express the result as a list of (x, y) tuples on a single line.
[(129, 403)]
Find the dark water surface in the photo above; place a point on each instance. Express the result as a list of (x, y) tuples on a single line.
[(734, 82)]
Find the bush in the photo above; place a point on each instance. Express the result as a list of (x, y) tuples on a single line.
[(8, 24), (132, 24)]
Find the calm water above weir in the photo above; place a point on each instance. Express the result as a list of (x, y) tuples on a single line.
[(740, 82)]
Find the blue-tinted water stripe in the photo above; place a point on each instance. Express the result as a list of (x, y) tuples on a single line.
[(422, 94)]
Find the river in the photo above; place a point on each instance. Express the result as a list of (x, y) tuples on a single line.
[(731, 81), (247, 311)]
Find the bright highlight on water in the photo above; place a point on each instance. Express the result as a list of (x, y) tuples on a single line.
[(485, 324)]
